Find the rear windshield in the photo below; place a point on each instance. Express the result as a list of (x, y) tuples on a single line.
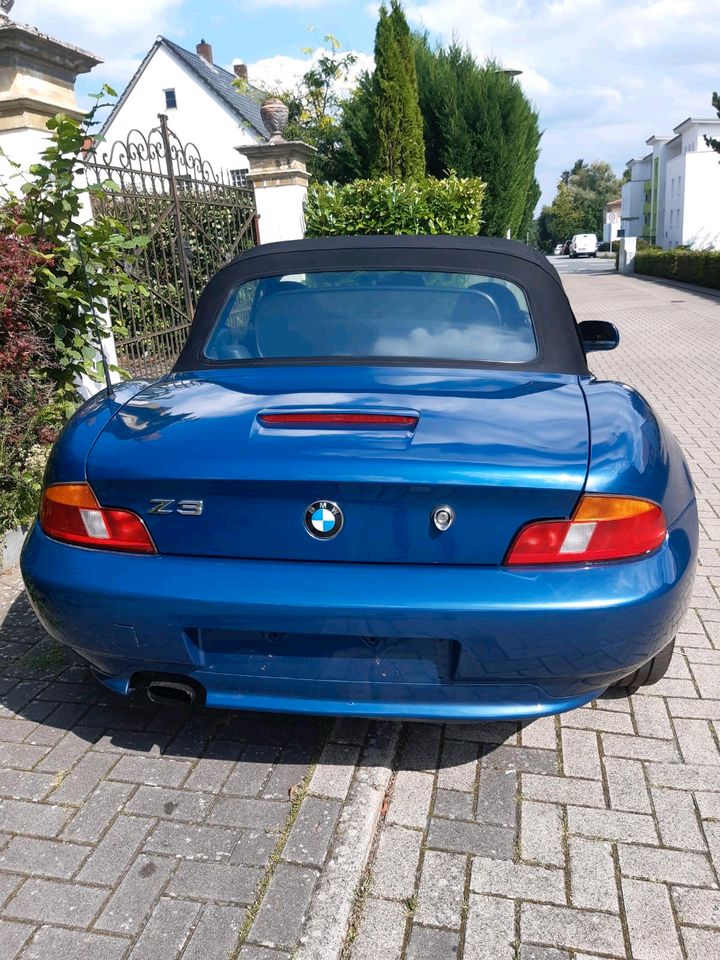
[(375, 314)]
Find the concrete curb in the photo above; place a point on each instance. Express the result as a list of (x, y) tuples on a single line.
[(10, 547), (331, 906)]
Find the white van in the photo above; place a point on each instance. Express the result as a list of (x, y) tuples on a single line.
[(583, 245)]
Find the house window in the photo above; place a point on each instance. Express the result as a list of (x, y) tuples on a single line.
[(170, 99), (238, 178), (679, 184), (671, 218), (672, 187)]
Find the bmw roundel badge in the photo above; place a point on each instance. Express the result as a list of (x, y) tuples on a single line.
[(324, 519)]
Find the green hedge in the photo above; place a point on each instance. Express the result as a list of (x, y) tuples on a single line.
[(387, 206), (701, 267)]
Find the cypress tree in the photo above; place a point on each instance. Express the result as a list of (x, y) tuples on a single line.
[(397, 146)]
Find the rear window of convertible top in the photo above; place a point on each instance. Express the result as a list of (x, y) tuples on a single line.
[(394, 314)]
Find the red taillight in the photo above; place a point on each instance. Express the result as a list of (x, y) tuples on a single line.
[(70, 512), (602, 528), (337, 419)]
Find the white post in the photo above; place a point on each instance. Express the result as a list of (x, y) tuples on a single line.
[(278, 172), (626, 261)]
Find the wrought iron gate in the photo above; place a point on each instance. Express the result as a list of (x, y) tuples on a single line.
[(196, 219)]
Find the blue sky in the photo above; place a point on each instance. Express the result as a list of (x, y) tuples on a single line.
[(604, 74)]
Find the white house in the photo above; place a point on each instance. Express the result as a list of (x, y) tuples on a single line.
[(611, 220), (201, 102), (673, 195)]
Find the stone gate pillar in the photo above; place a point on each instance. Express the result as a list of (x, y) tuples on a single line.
[(279, 175), (37, 80)]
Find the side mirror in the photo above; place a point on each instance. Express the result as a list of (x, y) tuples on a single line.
[(598, 335)]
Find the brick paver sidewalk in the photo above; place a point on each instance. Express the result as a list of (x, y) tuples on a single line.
[(131, 832)]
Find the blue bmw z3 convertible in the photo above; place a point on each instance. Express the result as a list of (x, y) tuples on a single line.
[(379, 481)]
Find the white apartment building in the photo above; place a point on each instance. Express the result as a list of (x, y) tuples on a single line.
[(673, 195)]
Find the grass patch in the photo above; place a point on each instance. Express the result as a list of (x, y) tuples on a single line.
[(275, 856)]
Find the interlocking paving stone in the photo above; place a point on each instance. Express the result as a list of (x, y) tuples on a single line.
[(586, 793), (170, 804), (116, 850), (95, 815), (650, 921), (312, 831), (454, 805), (701, 944), (49, 901), (167, 931), (192, 841), (677, 818), (578, 929), (381, 932), (592, 875), (254, 814), (490, 931), (56, 942), (541, 834), (612, 825), (666, 866), (396, 863), (12, 938), (411, 798), (478, 838), (581, 757), (225, 882), (699, 907), (216, 933), (44, 858), (279, 920), (440, 896), (126, 910), (427, 943), (335, 770), (38, 819), (529, 951), (518, 880)]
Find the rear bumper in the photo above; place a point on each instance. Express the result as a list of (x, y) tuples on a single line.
[(426, 642)]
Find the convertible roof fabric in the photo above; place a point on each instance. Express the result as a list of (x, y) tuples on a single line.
[(559, 347)]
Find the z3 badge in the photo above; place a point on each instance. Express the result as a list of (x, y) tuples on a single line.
[(324, 519), (186, 508)]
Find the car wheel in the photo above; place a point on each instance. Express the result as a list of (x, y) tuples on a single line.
[(649, 673)]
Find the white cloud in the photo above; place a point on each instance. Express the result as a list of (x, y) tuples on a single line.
[(88, 22), (283, 72), (604, 74)]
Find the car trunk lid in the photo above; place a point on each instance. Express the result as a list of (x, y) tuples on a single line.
[(235, 476)]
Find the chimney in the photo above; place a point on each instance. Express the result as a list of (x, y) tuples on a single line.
[(241, 71), (204, 50)]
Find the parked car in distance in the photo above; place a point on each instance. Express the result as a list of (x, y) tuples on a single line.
[(379, 481), (558, 249), (566, 248), (583, 245)]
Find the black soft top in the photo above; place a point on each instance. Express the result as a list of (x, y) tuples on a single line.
[(559, 346)]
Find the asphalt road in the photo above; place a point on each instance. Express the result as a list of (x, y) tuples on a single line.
[(583, 265)]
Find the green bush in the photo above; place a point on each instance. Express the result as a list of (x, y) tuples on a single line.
[(701, 267), (386, 206)]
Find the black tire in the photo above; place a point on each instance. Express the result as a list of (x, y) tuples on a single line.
[(649, 673)]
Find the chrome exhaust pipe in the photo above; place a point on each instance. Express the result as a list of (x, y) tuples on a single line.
[(171, 693)]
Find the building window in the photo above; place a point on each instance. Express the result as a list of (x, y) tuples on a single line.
[(679, 184), (170, 99), (671, 218), (238, 178)]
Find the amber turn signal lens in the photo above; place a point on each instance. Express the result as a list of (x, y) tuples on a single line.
[(70, 512), (602, 528)]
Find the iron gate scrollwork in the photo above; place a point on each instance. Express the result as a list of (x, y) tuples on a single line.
[(197, 220)]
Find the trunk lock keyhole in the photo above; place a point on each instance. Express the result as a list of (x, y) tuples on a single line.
[(443, 517)]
